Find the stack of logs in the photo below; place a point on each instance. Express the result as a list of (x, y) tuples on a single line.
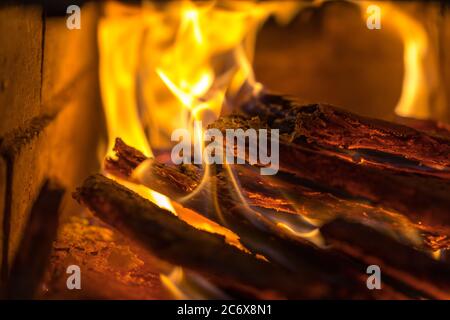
[(379, 191)]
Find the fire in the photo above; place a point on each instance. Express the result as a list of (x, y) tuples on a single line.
[(162, 67), (166, 66), (118, 85), (210, 57)]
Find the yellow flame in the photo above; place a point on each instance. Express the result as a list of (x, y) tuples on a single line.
[(196, 67), (118, 65), (171, 282), (436, 254), (202, 223), (187, 285), (164, 65), (212, 52), (414, 97), (313, 236), (118, 86)]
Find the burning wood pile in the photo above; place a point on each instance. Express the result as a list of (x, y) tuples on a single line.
[(380, 191), (350, 194)]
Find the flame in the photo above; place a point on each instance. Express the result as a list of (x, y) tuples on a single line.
[(185, 285), (202, 223), (314, 235), (164, 66), (210, 60), (171, 282), (118, 88), (211, 55), (422, 96), (118, 83), (147, 193)]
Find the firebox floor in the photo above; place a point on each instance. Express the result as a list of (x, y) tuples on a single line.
[(111, 267)]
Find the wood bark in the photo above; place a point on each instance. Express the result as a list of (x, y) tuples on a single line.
[(265, 194), (423, 198), (330, 126), (396, 259)]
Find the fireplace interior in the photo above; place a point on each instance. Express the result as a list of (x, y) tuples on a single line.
[(86, 177)]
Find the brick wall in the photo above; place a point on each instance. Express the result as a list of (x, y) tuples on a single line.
[(50, 111)]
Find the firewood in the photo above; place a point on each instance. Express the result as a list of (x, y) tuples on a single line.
[(333, 127), (177, 242), (283, 197), (127, 159), (396, 259), (255, 231), (424, 199), (175, 182)]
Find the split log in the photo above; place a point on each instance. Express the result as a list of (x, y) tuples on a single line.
[(330, 126), (400, 261), (424, 199), (177, 242)]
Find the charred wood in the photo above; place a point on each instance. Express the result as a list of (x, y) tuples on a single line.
[(396, 259), (256, 232), (332, 127), (175, 182), (168, 237), (423, 198), (432, 127)]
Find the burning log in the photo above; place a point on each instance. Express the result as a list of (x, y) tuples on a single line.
[(168, 237), (397, 260), (330, 126), (283, 198), (423, 198)]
